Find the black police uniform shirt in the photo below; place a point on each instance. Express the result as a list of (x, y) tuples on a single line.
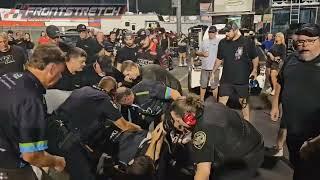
[(89, 45), (68, 81), (221, 134), (86, 106), (237, 60), (300, 89), (23, 118), (127, 53), (155, 72), (144, 58), (90, 77), (13, 60)]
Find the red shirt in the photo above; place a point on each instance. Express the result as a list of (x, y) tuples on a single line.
[(43, 40)]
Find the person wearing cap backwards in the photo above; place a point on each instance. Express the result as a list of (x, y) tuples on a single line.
[(128, 52), (12, 57), (88, 44), (54, 34), (208, 53), (101, 68), (237, 54), (23, 123), (298, 90), (224, 145)]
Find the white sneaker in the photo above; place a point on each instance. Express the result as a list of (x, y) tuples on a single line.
[(180, 64), (185, 64)]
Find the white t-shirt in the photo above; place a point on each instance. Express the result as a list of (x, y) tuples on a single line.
[(211, 46)]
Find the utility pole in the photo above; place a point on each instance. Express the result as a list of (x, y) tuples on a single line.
[(137, 6), (128, 6), (178, 16)]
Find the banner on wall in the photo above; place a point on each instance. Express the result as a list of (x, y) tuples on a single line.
[(223, 6)]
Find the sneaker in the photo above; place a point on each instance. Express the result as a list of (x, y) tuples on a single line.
[(185, 64), (180, 64)]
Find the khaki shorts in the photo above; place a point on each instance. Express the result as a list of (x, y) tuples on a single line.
[(205, 78), (183, 55)]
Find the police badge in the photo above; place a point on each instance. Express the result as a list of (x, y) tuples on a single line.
[(199, 139)]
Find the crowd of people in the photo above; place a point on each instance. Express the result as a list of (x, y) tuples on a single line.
[(124, 116)]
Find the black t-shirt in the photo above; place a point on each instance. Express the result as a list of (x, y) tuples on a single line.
[(155, 72), (300, 89), (89, 45), (88, 105), (90, 77), (164, 44), (68, 81), (278, 50), (222, 134), (13, 60), (23, 118), (237, 59), (145, 58), (127, 53)]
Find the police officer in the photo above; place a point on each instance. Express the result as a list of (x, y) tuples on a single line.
[(134, 73), (23, 122), (88, 44), (224, 145), (75, 62), (84, 112)]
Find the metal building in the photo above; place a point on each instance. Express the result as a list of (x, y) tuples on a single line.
[(288, 12)]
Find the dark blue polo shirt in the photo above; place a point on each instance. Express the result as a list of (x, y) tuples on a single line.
[(23, 114)]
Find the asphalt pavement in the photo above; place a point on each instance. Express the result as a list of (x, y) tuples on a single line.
[(273, 168)]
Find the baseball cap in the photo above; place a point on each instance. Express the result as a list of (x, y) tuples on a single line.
[(143, 33), (311, 30), (232, 25), (212, 29), (53, 31), (108, 47), (81, 27)]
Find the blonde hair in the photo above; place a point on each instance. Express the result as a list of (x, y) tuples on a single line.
[(4, 35), (281, 35)]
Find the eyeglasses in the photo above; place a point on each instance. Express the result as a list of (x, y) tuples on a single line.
[(306, 41)]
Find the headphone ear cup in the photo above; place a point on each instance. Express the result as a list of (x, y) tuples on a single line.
[(190, 118)]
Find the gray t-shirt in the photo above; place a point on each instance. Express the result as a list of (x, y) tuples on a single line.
[(211, 46)]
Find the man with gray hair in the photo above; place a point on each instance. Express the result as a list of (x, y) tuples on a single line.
[(298, 90), (12, 57)]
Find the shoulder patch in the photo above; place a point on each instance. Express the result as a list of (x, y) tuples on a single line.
[(199, 139)]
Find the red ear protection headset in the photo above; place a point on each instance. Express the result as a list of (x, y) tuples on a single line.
[(190, 119)]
